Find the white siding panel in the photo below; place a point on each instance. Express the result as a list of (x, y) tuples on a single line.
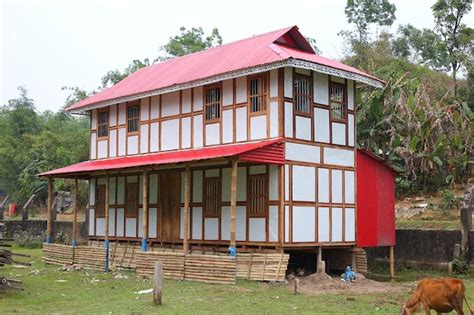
[(288, 120), (155, 107), (181, 223), (350, 225), (338, 79), (241, 124), (323, 224), (303, 71), (120, 221), (197, 96), (212, 134), (198, 141), (227, 126), (100, 228), (304, 229), (228, 92), (349, 184), (152, 226), (241, 184), (153, 194), (226, 179), (140, 222), (92, 191), (211, 228), (336, 220), (257, 229), (338, 133), (94, 119), (336, 186), (287, 224), (323, 185), (212, 173), (274, 120), (186, 132), (170, 104), (112, 188), (321, 125), (197, 186), (273, 224), (339, 157), (350, 94), (274, 83), (241, 223), (113, 143), (122, 115), (122, 141), (154, 137), (197, 223), (351, 130), (144, 109), (170, 134), (113, 115), (102, 149), (91, 222), (302, 152), (257, 169), (132, 145), (321, 89), (304, 188), (273, 182), (144, 138), (287, 182), (120, 190), (241, 89), (93, 144), (288, 90), (112, 221), (258, 127), (303, 128), (186, 101), (225, 223)]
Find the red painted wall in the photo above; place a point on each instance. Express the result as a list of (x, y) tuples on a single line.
[(375, 202)]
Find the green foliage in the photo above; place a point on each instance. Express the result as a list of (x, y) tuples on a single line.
[(460, 266), (190, 41), (28, 239), (112, 77), (448, 199)]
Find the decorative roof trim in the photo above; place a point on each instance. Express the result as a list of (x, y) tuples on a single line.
[(235, 74)]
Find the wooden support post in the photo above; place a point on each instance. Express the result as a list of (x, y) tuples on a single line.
[(158, 283), (49, 229), (233, 204), (354, 259), (74, 222), (187, 193), (25, 207), (281, 217), (107, 242), (321, 264), (145, 211), (2, 209), (392, 262)]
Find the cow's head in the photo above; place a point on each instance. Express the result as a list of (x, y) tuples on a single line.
[(410, 308)]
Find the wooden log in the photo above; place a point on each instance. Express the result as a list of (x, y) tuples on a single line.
[(186, 210), (145, 211), (158, 283), (392, 262), (49, 228), (233, 202)]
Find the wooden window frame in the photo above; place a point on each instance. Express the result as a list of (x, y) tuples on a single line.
[(205, 90), (344, 102), (310, 80), (96, 210), (263, 111), (264, 213), (106, 123), (131, 104), (218, 197), (127, 214)]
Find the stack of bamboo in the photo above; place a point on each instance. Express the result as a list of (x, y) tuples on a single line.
[(262, 267), (58, 254), (361, 261), (173, 264), (340, 259), (6, 258), (123, 255), (210, 269), (90, 257)]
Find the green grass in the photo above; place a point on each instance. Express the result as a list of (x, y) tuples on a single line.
[(86, 292), (428, 224)]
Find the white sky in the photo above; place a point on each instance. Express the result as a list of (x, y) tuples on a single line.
[(47, 44)]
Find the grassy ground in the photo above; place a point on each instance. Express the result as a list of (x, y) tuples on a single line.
[(50, 291)]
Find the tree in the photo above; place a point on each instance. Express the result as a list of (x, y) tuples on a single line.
[(113, 77), (190, 41)]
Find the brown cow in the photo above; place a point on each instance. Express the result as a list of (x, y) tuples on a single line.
[(442, 295)]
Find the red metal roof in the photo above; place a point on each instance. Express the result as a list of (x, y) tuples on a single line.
[(243, 54), (268, 151)]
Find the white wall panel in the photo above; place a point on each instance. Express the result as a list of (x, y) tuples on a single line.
[(323, 224), (100, 228), (257, 169), (92, 191), (155, 107), (144, 138), (349, 225), (241, 184), (350, 94), (211, 228), (197, 98), (321, 125), (144, 109), (303, 128), (241, 124), (336, 186), (240, 223), (170, 134), (339, 157), (336, 220), (258, 127), (241, 89), (257, 229), (323, 185), (101, 181), (120, 220), (122, 113), (212, 134), (102, 149), (304, 221), (152, 228), (226, 179), (113, 143), (274, 83), (212, 173), (288, 89), (121, 190), (287, 182), (338, 79), (153, 194), (288, 120), (93, 144), (351, 130), (113, 115), (197, 186), (225, 223), (321, 89), (287, 224), (112, 188), (122, 141), (273, 224), (91, 222), (197, 223), (170, 104), (154, 137), (112, 221), (302, 152), (132, 145), (94, 119), (339, 133), (273, 182), (186, 101), (181, 223), (131, 227), (304, 188), (186, 132), (140, 189), (303, 71), (274, 120), (198, 137), (349, 184), (227, 92), (140, 222), (227, 126)]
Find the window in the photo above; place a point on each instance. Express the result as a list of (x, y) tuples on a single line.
[(212, 196), (302, 94), (338, 98), (103, 124), (212, 102), (257, 194), (258, 94), (131, 200), (133, 116), (100, 202)]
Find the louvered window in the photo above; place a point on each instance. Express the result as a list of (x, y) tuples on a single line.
[(257, 195), (103, 124), (302, 94), (338, 99), (212, 102), (133, 116), (212, 196), (258, 94)]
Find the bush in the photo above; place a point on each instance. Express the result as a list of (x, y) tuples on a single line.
[(448, 200), (460, 266), (61, 238), (28, 239)]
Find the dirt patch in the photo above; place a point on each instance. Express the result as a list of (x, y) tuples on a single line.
[(323, 283)]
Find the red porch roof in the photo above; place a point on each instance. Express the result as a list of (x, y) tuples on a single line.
[(268, 151)]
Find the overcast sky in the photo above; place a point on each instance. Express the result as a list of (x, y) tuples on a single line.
[(49, 44)]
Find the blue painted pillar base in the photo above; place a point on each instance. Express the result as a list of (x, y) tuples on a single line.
[(107, 247), (232, 251), (144, 245), (74, 243), (49, 239)]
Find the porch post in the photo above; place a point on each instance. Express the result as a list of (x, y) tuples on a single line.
[(145, 212), (49, 229), (281, 217), (187, 193), (74, 222), (107, 242), (233, 203)]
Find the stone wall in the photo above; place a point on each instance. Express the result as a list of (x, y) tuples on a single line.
[(38, 227)]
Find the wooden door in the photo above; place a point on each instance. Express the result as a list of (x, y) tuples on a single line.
[(169, 206), (100, 202)]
